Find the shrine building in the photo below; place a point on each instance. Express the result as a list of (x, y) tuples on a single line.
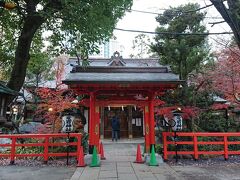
[(127, 88)]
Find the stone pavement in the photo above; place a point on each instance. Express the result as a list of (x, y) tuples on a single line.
[(125, 171), (123, 150), (119, 165)]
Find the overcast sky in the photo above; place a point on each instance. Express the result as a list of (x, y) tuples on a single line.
[(147, 22)]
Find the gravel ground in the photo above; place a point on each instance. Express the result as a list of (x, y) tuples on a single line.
[(219, 160), (39, 163)]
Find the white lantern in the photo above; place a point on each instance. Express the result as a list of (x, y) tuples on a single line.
[(178, 123), (67, 123)]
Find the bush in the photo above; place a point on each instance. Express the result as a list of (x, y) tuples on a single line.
[(53, 149), (159, 148), (212, 122), (31, 149), (234, 147)]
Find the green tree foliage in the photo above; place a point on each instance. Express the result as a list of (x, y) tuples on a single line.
[(212, 121), (7, 45), (72, 25), (39, 69), (189, 96), (183, 53), (40, 66)]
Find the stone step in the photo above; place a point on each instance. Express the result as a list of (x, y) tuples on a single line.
[(124, 141), (3, 119)]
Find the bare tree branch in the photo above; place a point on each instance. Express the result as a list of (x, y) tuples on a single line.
[(214, 23)]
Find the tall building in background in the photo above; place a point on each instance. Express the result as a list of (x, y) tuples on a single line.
[(107, 49), (115, 46)]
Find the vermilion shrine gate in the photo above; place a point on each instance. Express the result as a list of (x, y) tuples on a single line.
[(118, 85)]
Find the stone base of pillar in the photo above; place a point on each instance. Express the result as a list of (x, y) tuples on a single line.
[(130, 136)]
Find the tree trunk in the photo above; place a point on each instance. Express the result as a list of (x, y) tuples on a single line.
[(37, 80), (30, 26), (180, 70), (230, 16)]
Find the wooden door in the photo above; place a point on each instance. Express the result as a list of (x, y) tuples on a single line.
[(122, 115)]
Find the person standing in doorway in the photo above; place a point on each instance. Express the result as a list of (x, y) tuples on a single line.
[(115, 128)]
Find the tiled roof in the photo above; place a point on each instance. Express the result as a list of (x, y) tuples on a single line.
[(123, 70), (152, 62), (120, 77), (6, 90)]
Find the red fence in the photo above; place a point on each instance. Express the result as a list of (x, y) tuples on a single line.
[(194, 141), (45, 141)]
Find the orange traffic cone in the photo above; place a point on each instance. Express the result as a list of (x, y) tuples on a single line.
[(81, 162), (102, 152), (139, 155)]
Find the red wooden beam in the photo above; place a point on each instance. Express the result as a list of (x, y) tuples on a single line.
[(151, 119), (220, 141), (136, 86), (147, 128), (92, 118)]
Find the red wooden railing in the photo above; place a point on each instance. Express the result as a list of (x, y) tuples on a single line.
[(220, 139), (45, 141)]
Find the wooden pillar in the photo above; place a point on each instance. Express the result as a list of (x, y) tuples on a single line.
[(151, 120), (91, 118), (130, 135), (102, 122), (147, 130), (94, 122), (97, 126)]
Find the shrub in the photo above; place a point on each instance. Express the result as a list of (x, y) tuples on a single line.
[(211, 122), (159, 148)]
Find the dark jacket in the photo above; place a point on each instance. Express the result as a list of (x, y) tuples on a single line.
[(115, 124)]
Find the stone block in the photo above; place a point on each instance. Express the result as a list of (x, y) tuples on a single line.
[(158, 158)]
